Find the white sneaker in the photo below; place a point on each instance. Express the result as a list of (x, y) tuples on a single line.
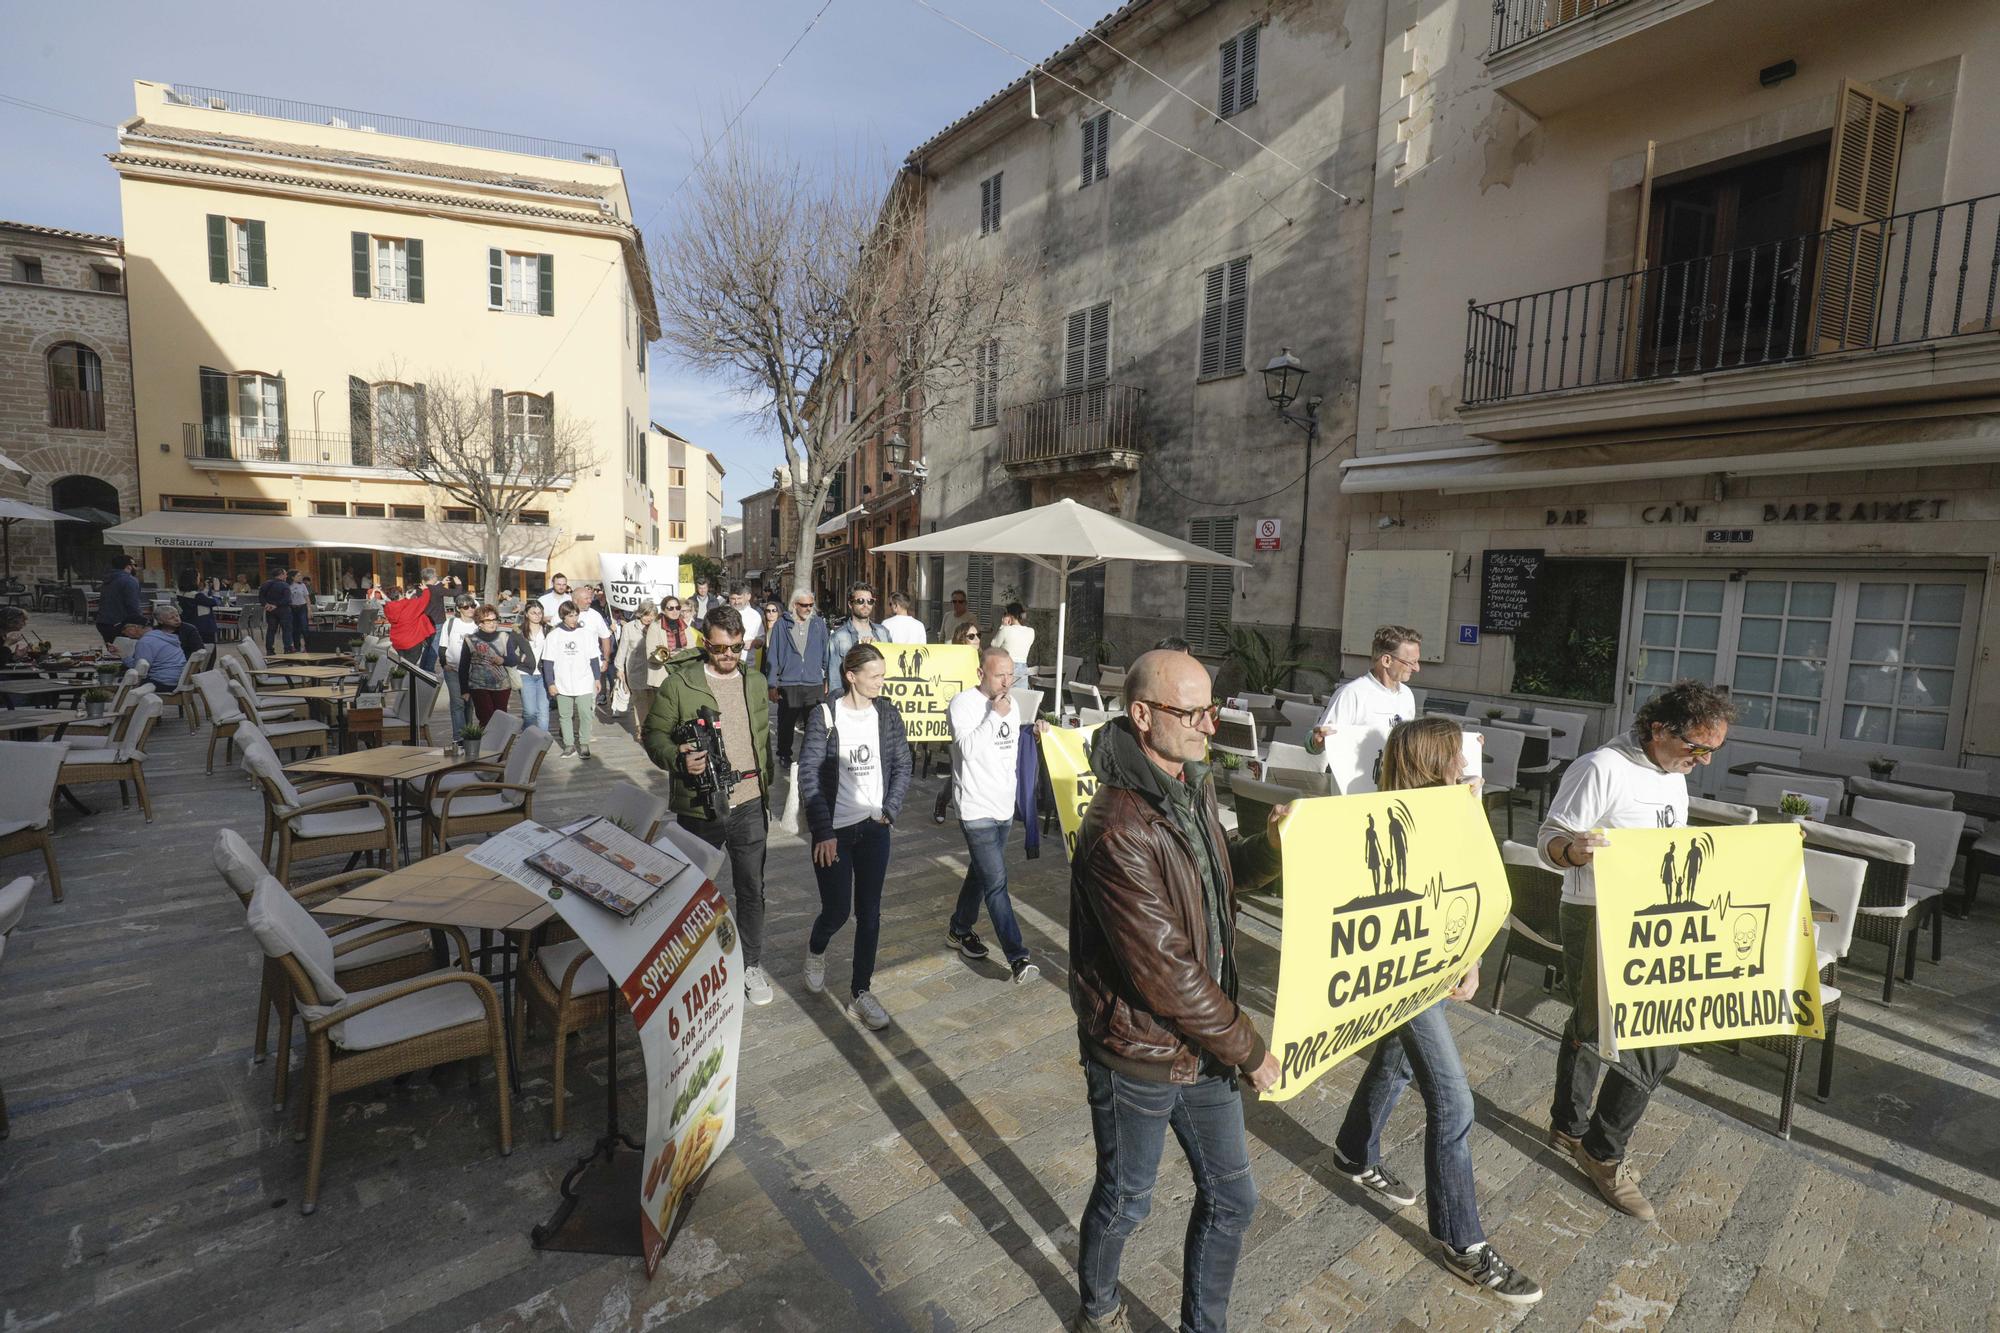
[(756, 986), (815, 971), (870, 1011)]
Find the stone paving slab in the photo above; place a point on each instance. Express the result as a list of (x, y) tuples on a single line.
[(926, 1177)]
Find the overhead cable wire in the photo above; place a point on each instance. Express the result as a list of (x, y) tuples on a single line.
[(1038, 68), (1227, 122), (26, 105)]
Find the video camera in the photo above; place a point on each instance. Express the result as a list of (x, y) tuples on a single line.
[(714, 783)]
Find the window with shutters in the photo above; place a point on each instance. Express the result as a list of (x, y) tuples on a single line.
[(1096, 148), (76, 388), (1860, 189), (236, 252), (109, 280), (677, 477), (398, 417), (1225, 313), (986, 384), (1210, 588), (989, 204), (527, 421), (677, 530), (260, 408), (520, 284), (524, 273), (979, 586), (1086, 363), (1238, 88)]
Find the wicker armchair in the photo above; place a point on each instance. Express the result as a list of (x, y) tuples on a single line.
[(1936, 834), (269, 706), (27, 803), (565, 986), (13, 902), (361, 1037), (336, 826), (387, 952), (638, 811), (396, 710), (1835, 883), (226, 716), (1534, 926), (488, 807), (122, 763), (315, 791), (1887, 912), (185, 696), (101, 727), (491, 766)]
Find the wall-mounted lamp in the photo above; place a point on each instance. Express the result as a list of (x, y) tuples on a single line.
[(1773, 75)]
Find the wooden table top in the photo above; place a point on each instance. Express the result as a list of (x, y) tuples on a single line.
[(320, 658), (28, 689), (445, 890), (344, 693), (383, 763), (312, 672), (35, 719)]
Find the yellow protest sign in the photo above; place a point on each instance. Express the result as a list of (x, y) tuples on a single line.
[(1066, 754), (1390, 899), (922, 680), (1704, 934)]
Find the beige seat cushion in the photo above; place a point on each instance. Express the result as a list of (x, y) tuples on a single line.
[(590, 978), (383, 951), (485, 803), (337, 823), (430, 1010), (11, 826)]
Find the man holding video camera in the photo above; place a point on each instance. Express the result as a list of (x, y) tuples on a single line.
[(710, 729)]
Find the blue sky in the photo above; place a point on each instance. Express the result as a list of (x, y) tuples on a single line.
[(875, 78)]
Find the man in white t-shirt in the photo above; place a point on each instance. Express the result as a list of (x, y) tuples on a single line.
[(985, 742), (592, 619), (1638, 780), (553, 599), (901, 626), (1381, 696), (752, 617)]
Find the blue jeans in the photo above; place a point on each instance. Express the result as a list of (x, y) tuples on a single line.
[(986, 881), (457, 698), (853, 883), (1423, 1048), (1129, 1119), (534, 700), (295, 629)]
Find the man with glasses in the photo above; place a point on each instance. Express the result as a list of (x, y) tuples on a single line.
[(1153, 981), (985, 752), (1638, 780), (719, 678), (960, 614), (859, 627), (1380, 697), (797, 659)]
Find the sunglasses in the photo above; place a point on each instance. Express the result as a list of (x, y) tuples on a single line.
[(862, 601), (1191, 716), (718, 649), (1699, 751), (802, 606)]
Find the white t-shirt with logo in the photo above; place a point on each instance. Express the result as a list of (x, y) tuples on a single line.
[(1615, 786), (856, 736), (572, 651), (589, 619), (983, 746), (1367, 702)]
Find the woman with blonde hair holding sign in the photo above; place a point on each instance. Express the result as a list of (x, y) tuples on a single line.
[(1428, 752)]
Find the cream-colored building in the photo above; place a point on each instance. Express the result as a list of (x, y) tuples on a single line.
[(684, 484), (1692, 302), (301, 276)]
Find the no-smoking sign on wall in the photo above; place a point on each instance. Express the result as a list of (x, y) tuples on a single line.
[(1267, 534)]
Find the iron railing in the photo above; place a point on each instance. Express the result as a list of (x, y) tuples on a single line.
[(340, 117), (235, 442), (1096, 419), (1517, 21), (76, 409), (1915, 277)]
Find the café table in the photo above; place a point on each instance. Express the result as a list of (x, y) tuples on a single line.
[(334, 697), (449, 889), (309, 672), (52, 690), (398, 764), (1984, 805), (33, 721), (306, 659)]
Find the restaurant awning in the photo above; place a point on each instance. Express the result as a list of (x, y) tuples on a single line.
[(839, 522), (173, 530)]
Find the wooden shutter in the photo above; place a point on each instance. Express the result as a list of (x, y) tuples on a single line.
[(545, 280), (260, 275), (1212, 283), (1235, 314), (1860, 196), (218, 248), (979, 587), (496, 279), (423, 422), (1210, 588), (1097, 365), (1246, 68), (214, 413), (1225, 95), (413, 257), (283, 433), (989, 204), (1096, 143), (1089, 148), (1075, 336), (360, 422), (358, 257)]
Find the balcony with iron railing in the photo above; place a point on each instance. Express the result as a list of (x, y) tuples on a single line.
[(248, 446), (1097, 428), (1759, 330)]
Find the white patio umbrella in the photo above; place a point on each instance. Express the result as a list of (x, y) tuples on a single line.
[(1064, 537), (17, 511), (11, 466)]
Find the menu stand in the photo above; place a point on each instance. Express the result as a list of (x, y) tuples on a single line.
[(599, 1210)]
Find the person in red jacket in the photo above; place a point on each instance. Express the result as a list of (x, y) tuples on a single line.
[(409, 625)]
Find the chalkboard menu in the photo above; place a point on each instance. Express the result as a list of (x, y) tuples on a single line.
[(1507, 589)]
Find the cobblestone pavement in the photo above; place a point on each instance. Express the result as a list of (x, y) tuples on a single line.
[(928, 1177)]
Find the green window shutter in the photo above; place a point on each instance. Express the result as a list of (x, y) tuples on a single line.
[(423, 422), (496, 279), (414, 258), (499, 429), (359, 253), (546, 280), (283, 434), (360, 422), (218, 248), (214, 413), (1213, 283), (260, 275)]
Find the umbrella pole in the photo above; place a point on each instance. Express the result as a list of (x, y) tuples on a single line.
[(7, 543), (1062, 626)]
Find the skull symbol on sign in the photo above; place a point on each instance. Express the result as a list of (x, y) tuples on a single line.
[(1746, 935), (1454, 923)]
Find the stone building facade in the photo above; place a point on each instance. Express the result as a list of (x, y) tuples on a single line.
[(65, 394)]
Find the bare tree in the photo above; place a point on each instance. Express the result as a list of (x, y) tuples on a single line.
[(481, 449), (823, 305)]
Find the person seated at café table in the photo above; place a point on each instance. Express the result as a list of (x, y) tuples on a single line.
[(18, 643), (157, 654)]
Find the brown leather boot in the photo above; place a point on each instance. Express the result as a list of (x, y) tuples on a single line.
[(1618, 1189)]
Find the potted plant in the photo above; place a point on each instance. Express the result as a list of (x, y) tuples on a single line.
[(1264, 667), (1495, 714), (1882, 766), (1794, 807), (109, 667), (94, 701), (470, 738)]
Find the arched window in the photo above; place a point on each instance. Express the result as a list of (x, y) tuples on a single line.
[(76, 388)]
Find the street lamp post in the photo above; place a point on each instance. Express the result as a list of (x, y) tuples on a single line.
[(1284, 376), (898, 450)]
